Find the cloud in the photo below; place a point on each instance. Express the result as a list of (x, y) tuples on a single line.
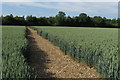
[(89, 7), (60, 0), (70, 6), (17, 0), (92, 8)]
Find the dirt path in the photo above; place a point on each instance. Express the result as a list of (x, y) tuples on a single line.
[(49, 61)]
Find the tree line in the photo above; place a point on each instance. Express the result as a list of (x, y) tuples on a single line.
[(83, 20)]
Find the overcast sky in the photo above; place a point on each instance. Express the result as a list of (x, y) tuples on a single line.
[(104, 9)]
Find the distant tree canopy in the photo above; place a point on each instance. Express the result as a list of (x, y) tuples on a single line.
[(83, 20)]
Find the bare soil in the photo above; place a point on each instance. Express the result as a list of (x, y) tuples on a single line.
[(49, 61)]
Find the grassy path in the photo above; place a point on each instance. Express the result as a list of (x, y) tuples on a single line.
[(49, 61)]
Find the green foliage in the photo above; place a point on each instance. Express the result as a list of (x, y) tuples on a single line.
[(11, 20), (98, 47), (60, 18), (83, 20), (13, 49)]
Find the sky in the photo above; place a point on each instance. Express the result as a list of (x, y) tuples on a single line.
[(15, 7)]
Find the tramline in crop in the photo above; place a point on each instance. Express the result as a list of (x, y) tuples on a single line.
[(98, 47)]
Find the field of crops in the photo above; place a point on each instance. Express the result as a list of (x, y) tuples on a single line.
[(97, 47), (13, 48)]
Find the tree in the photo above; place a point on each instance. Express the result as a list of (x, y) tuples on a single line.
[(8, 20), (43, 21), (69, 21), (118, 20), (99, 21), (31, 20), (60, 18), (114, 22), (89, 21), (19, 20), (1, 17), (51, 21), (82, 19)]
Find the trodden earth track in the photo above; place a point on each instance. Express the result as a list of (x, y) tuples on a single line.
[(50, 62)]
